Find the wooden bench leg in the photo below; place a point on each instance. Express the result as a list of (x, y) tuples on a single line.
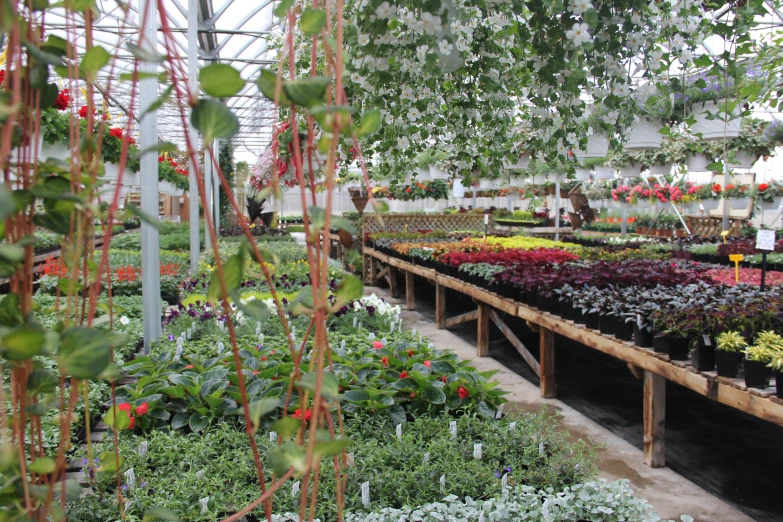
[(373, 271), (393, 291), (440, 306), (410, 299), (547, 363), (654, 420), (482, 344)]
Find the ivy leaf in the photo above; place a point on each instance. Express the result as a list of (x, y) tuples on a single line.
[(214, 120), (267, 84), (282, 8), (220, 80), (179, 421), (95, 59), (312, 21), (307, 91)]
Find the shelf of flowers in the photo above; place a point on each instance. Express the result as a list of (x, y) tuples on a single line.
[(636, 289)]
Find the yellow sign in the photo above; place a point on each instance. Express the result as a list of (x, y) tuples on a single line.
[(736, 258), (725, 234)]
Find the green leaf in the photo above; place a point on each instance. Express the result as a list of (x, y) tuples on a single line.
[(356, 396), (95, 59), (117, 419), (380, 206), (703, 61), (42, 381), (42, 466), (255, 309), (161, 513), (351, 288), (286, 427), (267, 84), (162, 100), (590, 17), (434, 395), (287, 456), (22, 343), (371, 123), (232, 274), (282, 8), (110, 462), (179, 421), (312, 21), (145, 56), (7, 203), (329, 385), (11, 253), (148, 219), (214, 120), (198, 422), (10, 310), (261, 407), (328, 448), (485, 411), (43, 57), (85, 352), (220, 80), (307, 91)]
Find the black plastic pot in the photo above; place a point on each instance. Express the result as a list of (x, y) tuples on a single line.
[(171, 299), (567, 310), (703, 358), (579, 317), (554, 305), (779, 384), (606, 324), (712, 259), (541, 302), (593, 320), (641, 337), (661, 344), (757, 374), (531, 297), (728, 363), (678, 349), (623, 330)]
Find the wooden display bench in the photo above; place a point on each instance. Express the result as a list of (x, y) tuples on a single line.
[(656, 367)]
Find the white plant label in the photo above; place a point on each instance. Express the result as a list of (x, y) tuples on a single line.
[(189, 333), (181, 340), (201, 474), (143, 448), (192, 325), (443, 482), (504, 481), (477, 451), (204, 504), (130, 478), (295, 488), (499, 413), (261, 338), (426, 457), (512, 426), (383, 341), (486, 219), (221, 347), (372, 336), (541, 448), (366, 494), (354, 321), (178, 353), (272, 436), (765, 240), (481, 517), (453, 429), (360, 326), (349, 460), (413, 333), (430, 346), (342, 344), (399, 431), (707, 340)]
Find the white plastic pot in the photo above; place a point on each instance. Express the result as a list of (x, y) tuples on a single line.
[(595, 203), (643, 204), (611, 204), (437, 173), (597, 147), (486, 183), (631, 171), (539, 179), (716, 129), (423, 174), (602, 172), (166, 187), (770, 205), (739, 203), (660, 205), (111, 171), (582, 174), (710, 204), (743, 160), (661, 170), (554, 178), (697, 163), (643, 135), (516, 182), (522, 163)]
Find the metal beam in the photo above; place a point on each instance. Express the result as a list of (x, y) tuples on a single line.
[(195, 240)]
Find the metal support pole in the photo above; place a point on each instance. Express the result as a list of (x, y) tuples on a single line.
[(624, 224), (216, 186), (557, 211), (208, 190), (148, 130), (195, 240), (726, 181)]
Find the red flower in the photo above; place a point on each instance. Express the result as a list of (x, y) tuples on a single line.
[(83, 112), (427, 364), (272, 352), (443, 378), (132, 423), (125, 406), (298, 414), (403, 375), (62, 101), (413, 394), (763, 186), (377, 345), (463, 393), (410, 353), (116, 132), (161, 159), (142, 408), (282, 167), (189, 367), (716, 188), (2, 77), (263, 357), (385, 361)]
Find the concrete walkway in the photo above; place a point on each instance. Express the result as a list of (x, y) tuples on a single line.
[(670, 494)]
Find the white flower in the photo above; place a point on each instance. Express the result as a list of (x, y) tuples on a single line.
[(364, 39), (572, 139), (578, 7), (634, 41), (124, 320), (561, 148), (385, 11), (445, 47), (389, 119), (407, 94), (421, 52), (414, 114), (356, 77), (403, 143), (621, 90), (429, 23), (686, 56), (578, 34)]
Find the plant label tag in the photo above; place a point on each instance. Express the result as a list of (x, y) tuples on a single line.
[(350, 459), (372, 336), (443, 482), (272, 436), (453, 429), (295, 488), (383, 341), (366, 494), (354, 321), (130, 478), (431, 346), (181, 340), (499, 412), (512, 426), (143, 448), (360, 326), (707, 340), (292, 337), (486, 219), (192, 325), (220, 348), (342, 344), (398, 428), (765, 240), (261, 338), (201, 474), (477, 451), (189, 333), (204, 504), (413, 333), (481, 517), (178, 353), (504, 481), (541, 448), (638, 320), (426, 457)]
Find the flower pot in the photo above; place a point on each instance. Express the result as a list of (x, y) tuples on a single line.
[(611, 204), (602, 172), (715, 129), (592, 321), (770, 205), (661, 205), (661, 170), (703, 358), (779, 384), (697, 163), (641, 230), (522, 163), (678, 348), (517, 182), (623, 330), (597, 147), (423, 174), (757, 374), (641, 337), (606, 324), (567, 310), (739, 203), (486, 184), (631, 171), (661, 343), (710, 204), (643, 135), (541, 302), (595, 203), (437, 173), (742, 160), (643, 204), (728, 363), (579, 316), (582, 174)]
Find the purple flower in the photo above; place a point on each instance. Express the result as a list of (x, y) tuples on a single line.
[(371, 310), (124, 487), (508, 469), (497, 474), (171, 337), (144, 484)]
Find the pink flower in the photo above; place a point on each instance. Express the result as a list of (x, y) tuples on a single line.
[(427, 364), (377, 345)]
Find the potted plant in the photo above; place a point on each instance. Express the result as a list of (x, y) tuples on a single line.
[(643, 135), (729, 350), (768, 195), (710, 195), (640, 195), (738, 196), (745, 149), (703, 354), (759, 357), (597, 194)]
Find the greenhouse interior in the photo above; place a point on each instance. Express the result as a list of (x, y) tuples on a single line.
[(391, 260)]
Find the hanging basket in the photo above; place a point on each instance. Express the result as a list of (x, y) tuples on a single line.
[(631, 171), (359, 198), (661, 170), (597, 147), (643, 204), (770, 205), (595, 203), (716, 129), (557, 178), (437, 173), (710, 204), (486, 184), (582, 174), (697, 163), (661, 205), (739, 203), (643, 135), (602, 172), (516, 182), (742, 160), (522, 163)]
